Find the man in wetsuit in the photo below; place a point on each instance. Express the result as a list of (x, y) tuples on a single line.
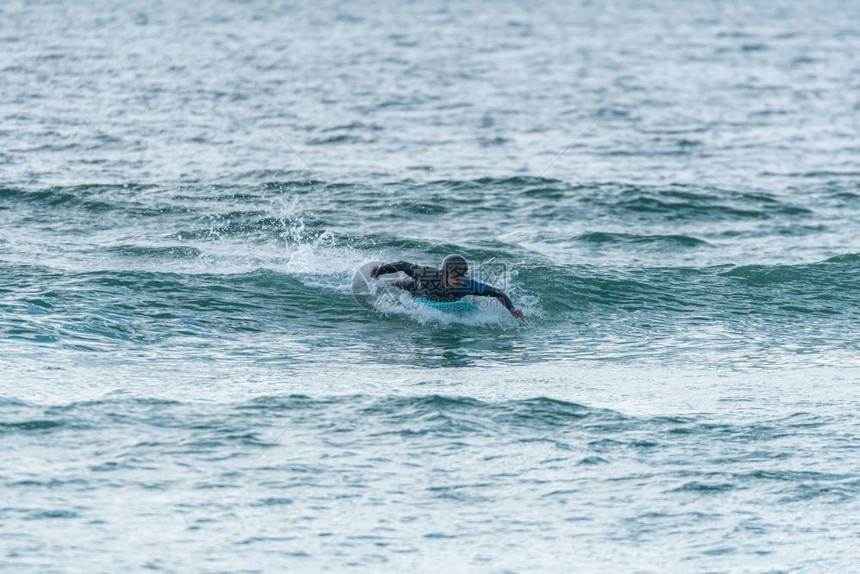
[(447, 284)]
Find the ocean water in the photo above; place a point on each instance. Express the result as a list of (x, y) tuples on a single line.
[(669, 190)]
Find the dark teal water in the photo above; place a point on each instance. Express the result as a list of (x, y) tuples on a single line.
[(670, 192)]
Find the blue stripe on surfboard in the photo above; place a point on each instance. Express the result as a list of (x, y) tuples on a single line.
[(458, 306)]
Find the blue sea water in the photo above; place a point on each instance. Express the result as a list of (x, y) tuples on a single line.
[(669, 190)]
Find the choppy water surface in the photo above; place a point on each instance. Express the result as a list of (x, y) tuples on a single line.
[(671, 193)]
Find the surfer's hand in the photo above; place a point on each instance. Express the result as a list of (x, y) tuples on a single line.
[(518, 314), (373, 271)]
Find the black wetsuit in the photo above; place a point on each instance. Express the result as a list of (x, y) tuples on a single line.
[(427, 282)]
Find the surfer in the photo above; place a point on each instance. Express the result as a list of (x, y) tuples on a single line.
[(443, 285)]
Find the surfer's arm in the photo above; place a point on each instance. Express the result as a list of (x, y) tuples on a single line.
[(484, 290), (404, 284), (409, 268)]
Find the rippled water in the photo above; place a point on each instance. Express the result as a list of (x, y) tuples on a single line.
[(670, 192)]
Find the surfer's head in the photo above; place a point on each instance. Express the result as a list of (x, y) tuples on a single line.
[(454, 269)]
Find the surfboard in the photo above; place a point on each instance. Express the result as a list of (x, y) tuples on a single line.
[(460, 306)]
